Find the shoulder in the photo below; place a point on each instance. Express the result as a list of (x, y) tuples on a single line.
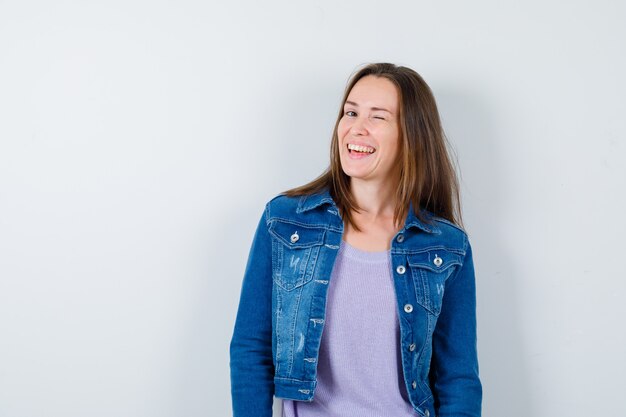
[(316, 210), (450, 232), (282, 206)]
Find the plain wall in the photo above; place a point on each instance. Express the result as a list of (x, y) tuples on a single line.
[(140, 140)]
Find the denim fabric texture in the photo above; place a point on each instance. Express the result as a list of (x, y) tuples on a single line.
[(283, 299)]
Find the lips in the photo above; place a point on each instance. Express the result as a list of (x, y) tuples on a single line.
[(356, 152), (358, 148)]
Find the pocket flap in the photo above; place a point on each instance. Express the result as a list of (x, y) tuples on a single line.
[(297, 236), (436, 260)]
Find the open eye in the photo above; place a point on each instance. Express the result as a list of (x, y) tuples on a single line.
[(348, 113)]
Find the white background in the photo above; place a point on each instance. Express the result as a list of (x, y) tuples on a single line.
[(140, 140)]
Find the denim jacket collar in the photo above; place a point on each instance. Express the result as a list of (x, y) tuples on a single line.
[(309, 202)]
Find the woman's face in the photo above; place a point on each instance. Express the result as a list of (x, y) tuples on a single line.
[(368, 130)]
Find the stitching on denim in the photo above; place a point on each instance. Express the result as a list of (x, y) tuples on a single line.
[(431, 248), (310, 225), (426, 266), (446, 221), (451, 278), (420, 362), (403, 282), (290, 220), (293, 329), (427, 342), (424, 401), (310, 359), (281, 378), (404, 355), (311, 264), (278, 341), (426, 287), (317, 242), (322, 281), (465, 242), (301, 201), (267, 214), (308, 262), (301, 204), (421, 281), (328, 245)]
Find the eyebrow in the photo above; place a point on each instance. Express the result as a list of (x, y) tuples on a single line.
[(373, 108)]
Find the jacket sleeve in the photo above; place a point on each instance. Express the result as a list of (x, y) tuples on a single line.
[(454, 367), (251, 360)]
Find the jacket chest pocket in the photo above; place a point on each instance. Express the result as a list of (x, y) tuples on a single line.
[(294, 253), (430, 270)]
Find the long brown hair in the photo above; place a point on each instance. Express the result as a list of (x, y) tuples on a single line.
[(427, 176)]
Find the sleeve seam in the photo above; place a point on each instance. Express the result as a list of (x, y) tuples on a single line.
[(458, 271)]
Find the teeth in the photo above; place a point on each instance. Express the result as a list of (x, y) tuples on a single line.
[(360, 148)]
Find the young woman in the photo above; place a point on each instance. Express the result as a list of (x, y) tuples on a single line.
[(358, 298)]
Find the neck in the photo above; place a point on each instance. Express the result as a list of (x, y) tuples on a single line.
[(375, 199)]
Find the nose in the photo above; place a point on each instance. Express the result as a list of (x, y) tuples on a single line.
[(357, 128)]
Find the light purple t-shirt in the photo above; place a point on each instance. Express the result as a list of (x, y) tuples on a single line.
[(359, 371)]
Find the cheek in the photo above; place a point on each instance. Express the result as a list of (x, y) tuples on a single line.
[(342, 128), (393, 144)]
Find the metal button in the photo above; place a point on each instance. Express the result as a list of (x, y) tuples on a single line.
[(438, 261), (412, 347), (427, 413), (408, 308), (414, 384), (400, 269), (294, 237), (400, 238)]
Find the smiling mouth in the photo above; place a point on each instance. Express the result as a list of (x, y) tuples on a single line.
[(360, 149)]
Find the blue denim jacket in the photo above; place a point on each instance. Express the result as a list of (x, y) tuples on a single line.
[(283, 299)]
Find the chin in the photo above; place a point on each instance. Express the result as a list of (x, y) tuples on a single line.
[(355, 173)]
